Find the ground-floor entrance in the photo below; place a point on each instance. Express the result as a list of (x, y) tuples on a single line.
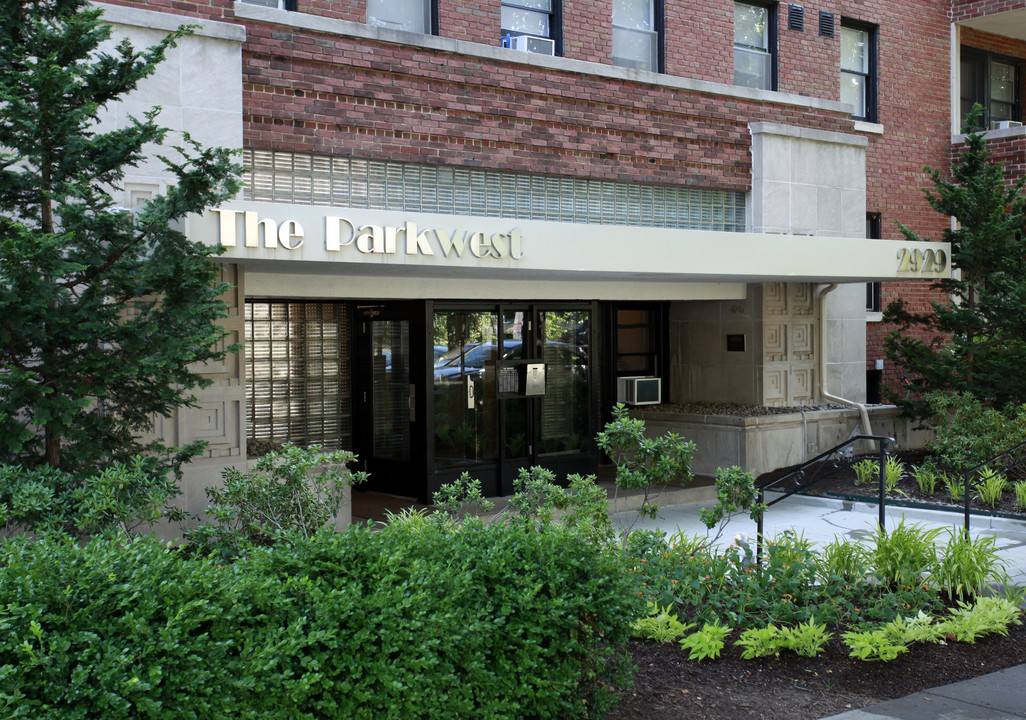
[(424, 391)]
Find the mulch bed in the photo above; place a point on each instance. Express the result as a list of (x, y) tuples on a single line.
[(668, 685)]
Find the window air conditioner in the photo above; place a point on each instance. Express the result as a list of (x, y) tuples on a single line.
[(530, 43), (639, 390), (1004, 124)]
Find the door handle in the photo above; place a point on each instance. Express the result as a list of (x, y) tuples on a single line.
[(470, 393)]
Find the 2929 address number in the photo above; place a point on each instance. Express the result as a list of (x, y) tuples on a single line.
[(922, 261)]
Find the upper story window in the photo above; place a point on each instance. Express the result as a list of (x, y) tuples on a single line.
[(280, 4), (858, 62), (754, 46), (636, 35), (409, 15), (536, 18), (993, 82)]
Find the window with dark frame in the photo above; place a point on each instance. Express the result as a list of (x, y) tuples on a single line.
[(637, 340), (755, 42), (299, 373), (873, 230), (278, 4), (408, 15), (858, 69), (638, 34), (537, 18), (993, 81)]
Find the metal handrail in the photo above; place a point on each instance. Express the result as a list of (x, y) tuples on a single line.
[(968, 474), (797, 477)]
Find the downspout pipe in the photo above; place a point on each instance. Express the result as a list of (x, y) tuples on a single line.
[(822, 291)]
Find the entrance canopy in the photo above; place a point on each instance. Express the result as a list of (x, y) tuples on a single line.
[(485, 253)]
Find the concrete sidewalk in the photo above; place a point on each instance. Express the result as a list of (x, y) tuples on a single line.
[(995, 696)]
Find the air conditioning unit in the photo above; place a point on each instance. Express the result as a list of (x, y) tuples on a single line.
[(1004, 124), (530, 43), (639, 390)]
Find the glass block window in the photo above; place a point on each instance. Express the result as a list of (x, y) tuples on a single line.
[(302, 179), (299, 373)]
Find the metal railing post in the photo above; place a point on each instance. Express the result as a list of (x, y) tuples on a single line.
[(758, 531), (883, 494)]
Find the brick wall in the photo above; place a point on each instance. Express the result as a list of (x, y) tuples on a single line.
[(966, 9), (317, 92)]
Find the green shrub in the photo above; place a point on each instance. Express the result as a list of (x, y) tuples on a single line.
[(986, 616), (644, 463), (968, 434), (119, 499), (659, 625), (297, 490), (443, 620), (414, 621), (735, 494), (123, 629)]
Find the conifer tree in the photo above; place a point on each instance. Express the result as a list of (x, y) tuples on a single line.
[(973, 338), (104, 313)]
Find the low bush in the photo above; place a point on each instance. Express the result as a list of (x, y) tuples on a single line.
[(967, 433), (417, 620)]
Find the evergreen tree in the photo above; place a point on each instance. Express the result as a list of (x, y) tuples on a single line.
[(104, 313), (975, 335)]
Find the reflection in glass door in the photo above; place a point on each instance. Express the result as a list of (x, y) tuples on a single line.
[(465, 417), (565, 347)]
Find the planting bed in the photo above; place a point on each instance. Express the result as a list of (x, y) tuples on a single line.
[(669, 685)]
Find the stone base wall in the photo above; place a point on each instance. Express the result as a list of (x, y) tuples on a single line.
[(769, 442)]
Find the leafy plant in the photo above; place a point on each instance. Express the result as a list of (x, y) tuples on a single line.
[(986, 616), (955, 486), (1020, 494), (904, 555), (894, 468), (462, 496), (806, 638), (644, 463), (966, 566), (297, 490), (865, 471), (538, 501), (707, 642), (890, 639), (844, 561), (761, 642), (660, 625), (967, 433), (990, 486), (926, 480), (120, 498), (735, 494)]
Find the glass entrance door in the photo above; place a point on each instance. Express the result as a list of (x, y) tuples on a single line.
[(512, 389), (390, 368), (465, 414)]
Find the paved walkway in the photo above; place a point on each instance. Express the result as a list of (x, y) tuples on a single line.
[(996, 696)]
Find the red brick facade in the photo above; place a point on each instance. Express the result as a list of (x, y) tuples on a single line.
[(335, 93)]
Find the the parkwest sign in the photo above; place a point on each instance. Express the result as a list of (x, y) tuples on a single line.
[(340, 233)]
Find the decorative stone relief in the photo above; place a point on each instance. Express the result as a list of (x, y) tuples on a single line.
[(800, 300), (774, 298), (775, 342), (802, 347), (775, 390)]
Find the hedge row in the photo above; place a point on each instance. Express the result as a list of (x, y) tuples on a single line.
[(419, 620)]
